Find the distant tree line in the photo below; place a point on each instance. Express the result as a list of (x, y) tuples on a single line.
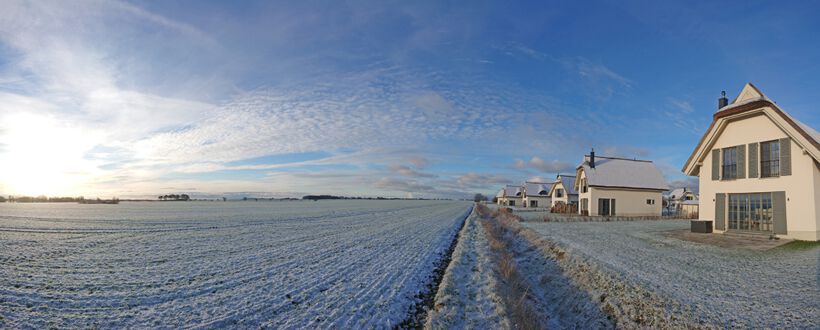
[(40, 199), (321, 197), (174, 197)]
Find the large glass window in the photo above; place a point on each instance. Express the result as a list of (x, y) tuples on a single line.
[(729, 163), (770, 159), (750, 211)]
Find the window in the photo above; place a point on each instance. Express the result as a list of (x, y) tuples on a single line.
[(512, 203), (584, 204), (583, 185), (729, 163), (559, 192), (689, 197), (750, 212), (606, 206), (650, 202), (770, 159)]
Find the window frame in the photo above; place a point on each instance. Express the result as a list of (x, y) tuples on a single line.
[(770, 159), (731, 167)]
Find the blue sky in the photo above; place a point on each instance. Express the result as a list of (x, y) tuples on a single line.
[(374, 98)]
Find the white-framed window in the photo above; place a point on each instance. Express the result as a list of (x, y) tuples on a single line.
[(650, 202), (729, 171)]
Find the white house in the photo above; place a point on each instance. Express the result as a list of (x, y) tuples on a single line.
[(511, 196), (617, 186), (677, 196), (536, 194), (563, 190), (759, 169)]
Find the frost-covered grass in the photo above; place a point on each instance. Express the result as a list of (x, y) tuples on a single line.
[(467, 297), (778, 288), (342, 264)]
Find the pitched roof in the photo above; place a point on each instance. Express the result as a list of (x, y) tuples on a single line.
[(500, 193), (677, 193), (752, 99), (512, 191), (537, 188), (623, 173), (568, 181)]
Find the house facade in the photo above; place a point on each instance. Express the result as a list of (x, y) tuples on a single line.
[(678, 196), (609, 186), (537, 194), (511, 196), (759, 170), (563, 190)]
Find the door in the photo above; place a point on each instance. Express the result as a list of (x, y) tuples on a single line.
[(604, 206)]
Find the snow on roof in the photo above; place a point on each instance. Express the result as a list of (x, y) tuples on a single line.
[(677, 193), (624, 173), (500, 193), (537, 188), (568, 182), (813, 133), (512, 191)]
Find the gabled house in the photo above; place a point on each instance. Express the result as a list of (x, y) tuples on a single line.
[(499, 197), (610, 186), (759, 169), (512, 196), (563, 190), (677, 196), (536, 194)]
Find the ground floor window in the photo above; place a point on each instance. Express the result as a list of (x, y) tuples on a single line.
[(750, 211), (512, 203), (533, 203), (606, 206), (650, 202)]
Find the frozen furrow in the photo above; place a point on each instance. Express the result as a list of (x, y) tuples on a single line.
[(318, 267)]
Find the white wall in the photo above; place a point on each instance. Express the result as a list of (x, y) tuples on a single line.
[(802, 192)]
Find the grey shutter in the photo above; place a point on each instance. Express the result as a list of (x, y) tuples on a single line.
[(753, 160), (779, 212), (741, 161), (600, 206), (720, 211), (716, 164), (785, 157), (612, 206)]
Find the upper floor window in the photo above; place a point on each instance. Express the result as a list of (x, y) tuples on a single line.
[(729, 163), (559, 192), (583, 185), (770, 159)]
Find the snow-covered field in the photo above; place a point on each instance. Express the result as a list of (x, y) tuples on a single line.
[(342, 264), (778, 288)]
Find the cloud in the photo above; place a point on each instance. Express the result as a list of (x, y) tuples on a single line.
[(553, 166), (407, 171), (392, 184)]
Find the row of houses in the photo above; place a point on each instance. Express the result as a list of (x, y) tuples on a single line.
[(605, 186), (758, 170)]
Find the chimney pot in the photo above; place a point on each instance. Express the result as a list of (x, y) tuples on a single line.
[(592, 158), (722, 101)]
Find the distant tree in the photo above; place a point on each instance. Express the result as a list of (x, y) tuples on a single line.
[(2, 199), (184, 197), (224, 199), (479, 198)]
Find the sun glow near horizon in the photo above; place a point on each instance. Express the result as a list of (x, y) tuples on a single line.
[(43, 156)]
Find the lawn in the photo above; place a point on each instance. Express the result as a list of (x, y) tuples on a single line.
[(724, 286)]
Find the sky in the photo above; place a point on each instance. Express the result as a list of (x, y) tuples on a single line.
[(433, 99)]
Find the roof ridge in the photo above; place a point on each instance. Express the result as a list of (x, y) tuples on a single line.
[(621, 158)]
